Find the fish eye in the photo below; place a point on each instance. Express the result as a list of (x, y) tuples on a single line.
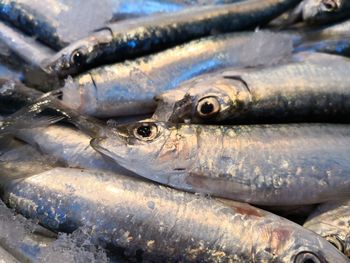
[(146, 131), (208, 107), (335, 241), (330, 5), (77, 57), (306, 257)]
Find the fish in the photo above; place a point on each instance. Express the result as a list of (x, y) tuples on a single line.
[(68, 146), (6, 257), (128, 88), (131, 38), (23, 46), (331, 221), (24, 238), (156, 223), (311, 90), (25, 54), (14, 95), (336, 45), (317, 12), (342, 28), (57, 23), (257, 164)]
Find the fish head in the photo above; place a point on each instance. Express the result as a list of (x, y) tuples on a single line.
[(334, 231), (148, 148), (321, 10), (208, 100), (78, 56), (289, 242)]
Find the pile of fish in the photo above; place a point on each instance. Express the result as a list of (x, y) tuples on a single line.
[(175, 131)]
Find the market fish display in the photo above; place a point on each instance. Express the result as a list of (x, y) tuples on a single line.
[(162, 223), (296, 91), (148, 188), (130, 38), (122, 88), (331, 221), (261, 164)]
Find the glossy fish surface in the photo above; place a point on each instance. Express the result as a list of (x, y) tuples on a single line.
[(24, 47), (68, 146), (331, 221), (317, 90), (323, 11), (131, 38), (261, 164), (128, 88), (161, 223)]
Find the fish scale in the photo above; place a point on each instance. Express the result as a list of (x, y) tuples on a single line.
[(312, 90), (177, 226), (135, 37), (260, 164)]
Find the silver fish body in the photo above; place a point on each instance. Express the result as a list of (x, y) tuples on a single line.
[(261, 164), (314, 89), (26, 48), (160, 223), (128, 88), (331, 221), (324, 11), (68, 146), (131, 38)]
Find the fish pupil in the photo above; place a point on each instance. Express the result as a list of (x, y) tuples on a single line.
[(309, 260), (144, 131), (329, 5), (207, 108), (78, 58)]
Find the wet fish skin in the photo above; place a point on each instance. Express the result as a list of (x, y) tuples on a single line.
[(258, 164), (324, 11), (120, 41), (129, 87), (163, 223), (14, 95), (331, 221), (340, 46), (30, 51), (32, 22), (68, 146), (304, 91)]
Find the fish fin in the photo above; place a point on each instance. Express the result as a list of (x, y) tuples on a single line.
[(26, 118)]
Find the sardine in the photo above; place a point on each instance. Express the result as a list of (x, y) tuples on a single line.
[(23, 46), (321, 11), (315, 89), (130, 38), (57, 23), (337, 45), (68, 146), (128, 88), (14, 95), (331, 221), (258, 164), (6, 257), (161, 224), (24, 238)]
